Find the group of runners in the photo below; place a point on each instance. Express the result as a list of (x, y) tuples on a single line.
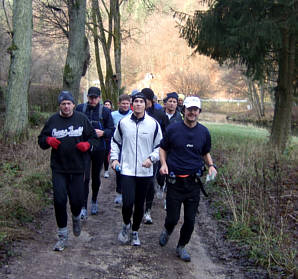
[(148, 145)]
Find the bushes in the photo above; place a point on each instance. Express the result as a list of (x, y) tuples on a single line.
[(25, 187)]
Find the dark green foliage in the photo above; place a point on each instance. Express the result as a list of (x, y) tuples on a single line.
[(246, 32)]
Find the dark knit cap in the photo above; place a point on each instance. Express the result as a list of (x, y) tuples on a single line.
[(139, 95), (94, 92), (172, 95), (65, 95), (148, 93)]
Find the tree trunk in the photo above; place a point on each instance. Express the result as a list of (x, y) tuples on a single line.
[(117, 44), (16, 116), (78, 48), (281, 126)]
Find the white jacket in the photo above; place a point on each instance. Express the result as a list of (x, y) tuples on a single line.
[(137, 140)]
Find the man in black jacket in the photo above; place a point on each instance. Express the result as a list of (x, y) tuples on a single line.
[(102, 122), (70, 135), (160, 116), (173, 116)]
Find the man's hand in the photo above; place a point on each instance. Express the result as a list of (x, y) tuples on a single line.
[(147, 163), (164, 169), (114, 164), (53, 142), (212, 171), (83, 146), (99, 133)]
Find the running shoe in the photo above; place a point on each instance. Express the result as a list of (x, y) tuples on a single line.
[(123, 236), (94, 208), (147, 218), (135, 241), (183, 254)]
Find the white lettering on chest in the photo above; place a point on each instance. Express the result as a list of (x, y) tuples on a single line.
[(70, 131)]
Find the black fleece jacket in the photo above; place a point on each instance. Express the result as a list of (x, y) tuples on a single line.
[(70, 131)]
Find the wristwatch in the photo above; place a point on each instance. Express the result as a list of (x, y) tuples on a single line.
[(212, 165), (151, 159)]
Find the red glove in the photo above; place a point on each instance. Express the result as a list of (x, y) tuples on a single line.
[(53, 142), (83, 146)]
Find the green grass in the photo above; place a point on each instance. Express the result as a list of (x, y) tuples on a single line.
[(253, 194)]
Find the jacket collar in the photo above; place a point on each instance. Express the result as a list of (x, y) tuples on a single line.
[(135, 119)]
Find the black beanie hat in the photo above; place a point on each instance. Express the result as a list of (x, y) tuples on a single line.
[(65, 95), (172, 95), (139, 95), (94, 91), (148, 93)]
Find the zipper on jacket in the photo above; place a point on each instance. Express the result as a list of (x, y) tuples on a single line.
[(137, 132)]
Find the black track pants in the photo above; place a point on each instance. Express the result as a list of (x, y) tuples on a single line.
[(134, 190), (95, 163), (71, 185), (187, 192)]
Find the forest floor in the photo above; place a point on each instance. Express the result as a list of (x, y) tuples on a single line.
[(96, 253)]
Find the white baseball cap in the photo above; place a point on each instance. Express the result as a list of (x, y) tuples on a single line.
[(192, 102)]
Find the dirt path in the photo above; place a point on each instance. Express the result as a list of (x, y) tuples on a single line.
[(97, 253)]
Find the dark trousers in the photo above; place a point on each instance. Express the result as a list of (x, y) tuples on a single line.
[(95, 163), (71, 185), (106, 161), (151, 189), (187, 192), (118, 182), (134, 191)]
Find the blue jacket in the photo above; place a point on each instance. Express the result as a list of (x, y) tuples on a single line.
[(186, 147)]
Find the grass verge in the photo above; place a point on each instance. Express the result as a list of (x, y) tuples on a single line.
[(255, 195), (25, 186)]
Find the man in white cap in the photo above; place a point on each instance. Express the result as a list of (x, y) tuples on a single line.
[(184, 151)]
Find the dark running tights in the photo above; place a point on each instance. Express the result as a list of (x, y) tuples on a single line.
[(134, 190), (71, 185), (95, 163)]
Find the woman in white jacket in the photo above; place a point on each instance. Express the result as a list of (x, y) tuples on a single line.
[(137, 136)]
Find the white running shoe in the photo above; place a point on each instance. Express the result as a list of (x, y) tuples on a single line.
[(147, 218), (123, 236), (135, 241), (63, 238), (106, 175), (84, 214), (94, 208), (118, 199)]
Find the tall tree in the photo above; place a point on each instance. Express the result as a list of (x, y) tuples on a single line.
[(16, 116), (78, 47), (105, 35), (260, 34)]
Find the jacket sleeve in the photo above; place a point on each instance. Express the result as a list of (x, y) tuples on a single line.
[(45, 132), (155, 154), (108, 123), (116, 143)]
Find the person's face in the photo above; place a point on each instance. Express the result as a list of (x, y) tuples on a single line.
[(93, 101), (139, 106), (180, 102), (191, 114), (108, 105), (124, 105), (66, 108), (171, 105)]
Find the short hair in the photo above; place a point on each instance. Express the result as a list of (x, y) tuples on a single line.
[(124, 97)]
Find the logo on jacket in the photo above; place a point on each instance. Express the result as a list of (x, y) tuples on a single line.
[(70, 131), (189, 145)]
